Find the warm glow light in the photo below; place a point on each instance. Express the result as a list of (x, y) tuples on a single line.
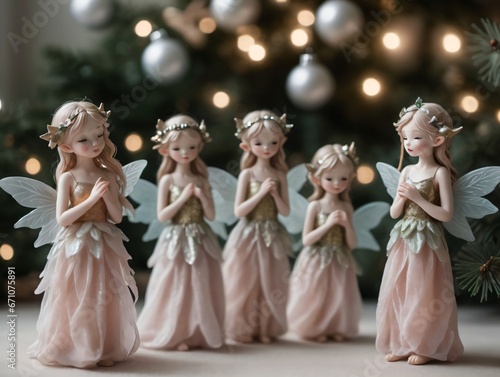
[(498, 116), (207, 25), (470, 104), (245, 41), (257, 53), (0, 104), (6, 251), (306, 17), (221, 100), (32, 166), (371, 87), (143, 28), (391, 41), (133, 142), (365, 174), (281, 1), (299, 37), (451, 43)]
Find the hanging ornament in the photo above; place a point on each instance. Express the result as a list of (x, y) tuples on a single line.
[(93, 13), (338, 21), (231, 14), (485, 47), (165, 59), (310, 84)]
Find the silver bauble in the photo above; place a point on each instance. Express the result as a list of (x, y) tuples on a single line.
[(93, 13), (165, 59), (310, 84), (231, 14), (338, 21)]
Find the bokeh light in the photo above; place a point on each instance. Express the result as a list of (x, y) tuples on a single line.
[(306, 17), (451, 43), (469, 103), (133, 142), (365, 174), (6, 251), (32, 166), (299, 37), (391, 41), (207, 25), (371, 87), (257, 53), (221, 100), (245, 41), (143, 28)]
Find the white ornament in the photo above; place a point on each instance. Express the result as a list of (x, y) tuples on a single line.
[(231, 14), (310, 84), (338, 21), (93, 13), (165, 59)]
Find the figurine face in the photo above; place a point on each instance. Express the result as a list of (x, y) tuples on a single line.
[(184, 149), (416, 141), (336, 180), (88, 141), (266, 144)]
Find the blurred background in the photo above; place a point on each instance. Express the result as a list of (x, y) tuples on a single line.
[(340, 69)]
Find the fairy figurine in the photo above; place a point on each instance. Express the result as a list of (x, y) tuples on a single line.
[(324, 298), (417, 311), (87, 315), (184, 303), (256, 265)]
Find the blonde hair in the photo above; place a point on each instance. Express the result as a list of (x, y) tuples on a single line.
[(325, 159), (249, 159), (432, 119), (168, 165), (83, 111)]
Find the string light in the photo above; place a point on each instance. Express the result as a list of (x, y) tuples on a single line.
[(133, 142), (306, 17), (371, 87), (365, 174), (32, 166), (299, 37), (391, 41), (6, 251), (207, 25), (257, 53), (143, 28), (469, 103), (221, 100), (245, 41), (451, 43)]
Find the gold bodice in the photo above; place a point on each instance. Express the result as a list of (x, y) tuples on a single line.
[(190, 212), (265, 209), (428, 190), (98, 213), (334, 236)]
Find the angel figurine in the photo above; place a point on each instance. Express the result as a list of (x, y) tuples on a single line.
[(324, 298), (184, 305), (256, 266), (87, 315), (417, 311)]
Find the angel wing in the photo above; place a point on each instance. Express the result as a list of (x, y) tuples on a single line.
[(467, 196), (35, 194), (468, 201), (366, 218), (145, 193), (133, 172), (296, 178), (224, 191)]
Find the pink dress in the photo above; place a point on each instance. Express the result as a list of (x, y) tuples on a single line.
[(324, 295), (256, 272), (185, 295), (417, 311), (88, 312)]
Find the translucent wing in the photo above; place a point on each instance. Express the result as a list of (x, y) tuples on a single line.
[(390, 176), (35, 194), (224, 191), (366, 218), (296, 178), (468, 201), (133, 172), (145, 194)]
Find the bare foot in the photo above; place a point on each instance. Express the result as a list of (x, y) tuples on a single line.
[(322, 339), (418, 360), (391, 357), (243, 339), (265, 339), (106, 363), (182, 347), (338, 337)]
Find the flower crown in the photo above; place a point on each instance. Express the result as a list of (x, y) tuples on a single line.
[(54, 132), (443, 129), (240, 126), (347, 150), (162, 130)]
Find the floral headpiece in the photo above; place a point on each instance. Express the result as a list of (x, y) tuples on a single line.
[(162, 130), (54, 132), (442, 128), (240, 126), (347, 150)]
